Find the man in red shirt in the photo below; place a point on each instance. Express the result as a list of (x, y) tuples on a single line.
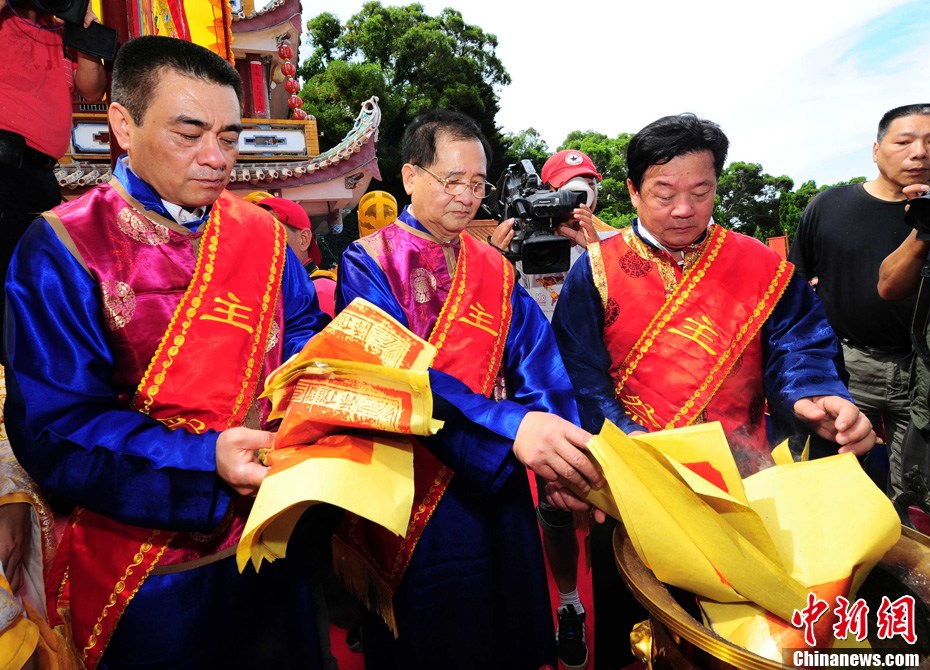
[(35, 114)]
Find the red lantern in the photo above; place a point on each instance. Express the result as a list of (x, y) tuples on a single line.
[(294, 102), (288, 69), (291, 85), (285, 51), (299, 114)]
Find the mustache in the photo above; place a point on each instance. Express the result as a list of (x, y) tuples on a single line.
[(213, 175)]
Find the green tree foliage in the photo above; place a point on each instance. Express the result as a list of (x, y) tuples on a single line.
[(609, 156), (792, 204), (748, 200), (526, 144), (412, 62)]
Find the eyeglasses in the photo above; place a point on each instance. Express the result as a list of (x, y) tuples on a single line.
[(455, 187)]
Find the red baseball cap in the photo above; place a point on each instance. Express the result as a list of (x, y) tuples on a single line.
[(291, 214), (287, 212), (567, 164)]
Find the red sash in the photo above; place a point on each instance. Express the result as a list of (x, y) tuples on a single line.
[(470, 334), (690, 353), (230, 303)]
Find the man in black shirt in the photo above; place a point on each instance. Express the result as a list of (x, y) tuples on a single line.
[(842, 238)]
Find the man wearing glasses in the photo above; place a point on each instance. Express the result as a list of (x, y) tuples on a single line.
[(468, 580)]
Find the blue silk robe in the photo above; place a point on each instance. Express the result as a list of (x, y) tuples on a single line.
[(475, 593), (83, 447)]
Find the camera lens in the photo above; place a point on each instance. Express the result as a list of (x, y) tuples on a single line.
[(543, 253)]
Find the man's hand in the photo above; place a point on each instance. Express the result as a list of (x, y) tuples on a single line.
[(912, 191), (564, 498), (236, 461), (838, 420), (89, 16), (580, 228), (555, 449), (15, 536), (502, 235)]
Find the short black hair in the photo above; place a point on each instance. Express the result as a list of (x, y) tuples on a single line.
[(899, 112), (419, 143), (141, 62), (673, 136)]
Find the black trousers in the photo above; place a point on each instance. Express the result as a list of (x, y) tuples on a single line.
[(616, 611)]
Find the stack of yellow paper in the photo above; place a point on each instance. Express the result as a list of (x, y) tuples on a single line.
[(345, 403), (748, 548)]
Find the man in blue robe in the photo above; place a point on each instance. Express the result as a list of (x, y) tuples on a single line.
[(160, 276), (474, 592), (760, 336)]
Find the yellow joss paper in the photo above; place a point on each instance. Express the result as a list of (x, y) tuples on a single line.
[(345, 403), (668, 509), (831, 526), (376, 489), (749, 549)]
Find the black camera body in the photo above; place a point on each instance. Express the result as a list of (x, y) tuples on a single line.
[(69, 11), (918, 215), (95, 40), (537, 213)]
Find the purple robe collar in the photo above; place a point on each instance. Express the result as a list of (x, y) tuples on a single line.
[(418, 268)]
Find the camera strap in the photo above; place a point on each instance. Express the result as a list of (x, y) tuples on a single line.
[(921, 318)]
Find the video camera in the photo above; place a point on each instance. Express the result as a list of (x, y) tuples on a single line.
[(537, 214), (95, 40)]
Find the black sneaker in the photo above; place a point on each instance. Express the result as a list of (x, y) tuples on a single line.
[(569, 639)]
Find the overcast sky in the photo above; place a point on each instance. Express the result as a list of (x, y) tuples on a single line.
[(797, 85)]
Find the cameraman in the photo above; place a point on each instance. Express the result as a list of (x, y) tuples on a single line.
[(573, 170), (843, 237), (35, 113), (568, 169), (899, 277)]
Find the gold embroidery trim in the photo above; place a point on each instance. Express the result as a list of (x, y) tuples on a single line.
[(178, 340), (497, 355), (269, 301), (671, 307), (427, 506), (762, 309), (598, 272), (120, 586), (452, 305)]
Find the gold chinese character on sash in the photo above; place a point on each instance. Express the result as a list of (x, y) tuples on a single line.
[(640, 412), (697, 330), (191, 425), (479, 318), (230, 311)]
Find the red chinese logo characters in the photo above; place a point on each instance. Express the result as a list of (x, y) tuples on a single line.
[(894, 618)]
